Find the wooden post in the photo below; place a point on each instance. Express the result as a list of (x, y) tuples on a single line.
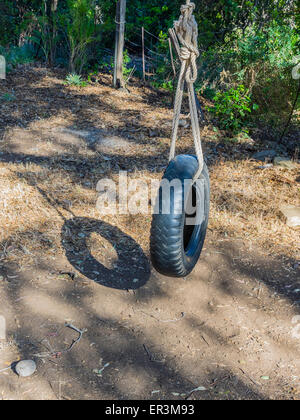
[(175, 42), (116, 42), (143, 45), (119, 47)]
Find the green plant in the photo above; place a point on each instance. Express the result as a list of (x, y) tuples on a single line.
[(93, 76), (232, 108), (17, 55), (74, 79), (127, 69), (126, 64), (168, 85), (7, 97), (164, 76), (81, 26)]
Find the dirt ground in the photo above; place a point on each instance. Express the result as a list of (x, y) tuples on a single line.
[(230, 330)]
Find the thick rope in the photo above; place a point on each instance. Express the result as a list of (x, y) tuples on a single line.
[(186, 29)]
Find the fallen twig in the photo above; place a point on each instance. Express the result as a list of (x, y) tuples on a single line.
[(3, 370), (249, 377), (80, 332), (59, 353), (165, 320), (148, 353)]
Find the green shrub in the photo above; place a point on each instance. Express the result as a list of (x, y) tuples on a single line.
[(15, 56), (74, 79), (7, 97), (81, 27), (232, 108), (164, 76), (127, 67), (261, 59)]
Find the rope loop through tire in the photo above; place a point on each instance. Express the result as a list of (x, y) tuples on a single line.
[(179, 223)]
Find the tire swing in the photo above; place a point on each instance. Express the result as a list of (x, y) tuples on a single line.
[(180, 216)]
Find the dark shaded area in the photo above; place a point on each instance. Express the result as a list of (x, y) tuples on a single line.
[(132, 269)]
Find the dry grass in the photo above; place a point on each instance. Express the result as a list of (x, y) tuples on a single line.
[(246, 203), (37, 197)]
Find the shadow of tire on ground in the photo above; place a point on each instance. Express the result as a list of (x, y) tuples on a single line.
[(130, 271)]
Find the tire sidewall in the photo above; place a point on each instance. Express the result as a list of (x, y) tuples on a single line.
[(190, 261)]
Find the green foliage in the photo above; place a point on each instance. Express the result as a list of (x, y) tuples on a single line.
[(81, 27), (260, 59), (15, 56), (163, 77), (232, 108), (164, 85), (7, 22), (7, 97), (242, 42), (93, 77), (126, 64), (74, 79), (45, 34), (127, 67)]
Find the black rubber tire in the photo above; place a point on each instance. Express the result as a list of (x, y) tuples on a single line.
[(176, 247)]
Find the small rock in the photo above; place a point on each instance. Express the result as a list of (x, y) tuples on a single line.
[(123, 90), (264, 154), (154, 133), (184, 123), (284, 162), (292, 214), (25, 368), (67, 203)]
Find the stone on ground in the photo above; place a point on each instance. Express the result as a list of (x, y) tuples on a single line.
[(292, 214), (284, 162), (25, 368), (264, 154)]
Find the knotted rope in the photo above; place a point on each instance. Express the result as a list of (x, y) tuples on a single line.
[(186, 29)]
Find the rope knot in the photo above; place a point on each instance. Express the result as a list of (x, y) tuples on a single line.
[(187, 31), (188, 7), (185, 53)]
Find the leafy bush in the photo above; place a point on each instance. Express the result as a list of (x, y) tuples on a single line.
[(17, 55), (128, 69), (164, 76), (81, 26), (261, 59), (7, 97), (46, 35), (74, 79), (232, 108)]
